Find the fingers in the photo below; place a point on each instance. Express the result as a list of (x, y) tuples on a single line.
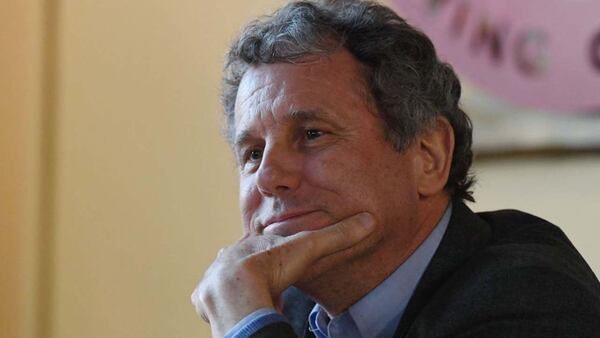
[(337, 237), (252, 273), (300, 251)]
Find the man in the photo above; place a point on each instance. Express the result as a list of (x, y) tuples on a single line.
[(353, 158)]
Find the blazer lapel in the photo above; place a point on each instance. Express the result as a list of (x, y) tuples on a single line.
[(465, 235)]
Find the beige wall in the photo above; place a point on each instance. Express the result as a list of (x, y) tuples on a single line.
[(110, 120), (20, 97)]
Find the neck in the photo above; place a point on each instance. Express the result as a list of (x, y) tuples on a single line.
[(339, 287)]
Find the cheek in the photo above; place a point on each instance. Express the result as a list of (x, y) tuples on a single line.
[(341, 180), (323, 172), (250, 200), (375, 181)]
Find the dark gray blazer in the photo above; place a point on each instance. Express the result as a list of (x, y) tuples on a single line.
[(495, 274)]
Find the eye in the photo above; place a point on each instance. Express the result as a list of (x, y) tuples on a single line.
[(312, 134), (254, 155)]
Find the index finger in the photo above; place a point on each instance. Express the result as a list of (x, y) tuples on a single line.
[(296, 253), (336, 237)]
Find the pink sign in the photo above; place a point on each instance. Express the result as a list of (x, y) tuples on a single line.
[(538, 53)]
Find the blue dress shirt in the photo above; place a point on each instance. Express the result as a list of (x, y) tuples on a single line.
[(377, 314)]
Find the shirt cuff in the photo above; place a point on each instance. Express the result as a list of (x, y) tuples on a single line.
[(254, 322)]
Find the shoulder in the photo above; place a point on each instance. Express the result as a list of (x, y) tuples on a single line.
[(521, 243), (528, 277)]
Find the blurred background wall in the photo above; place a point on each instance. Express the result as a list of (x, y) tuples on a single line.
[(116, 188)]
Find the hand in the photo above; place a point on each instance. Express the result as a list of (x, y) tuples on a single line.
[(252, 273)]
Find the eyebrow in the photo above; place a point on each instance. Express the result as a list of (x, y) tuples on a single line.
[(243, 138), (296, 115), (308, 115)]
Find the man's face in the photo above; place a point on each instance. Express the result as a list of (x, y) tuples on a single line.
[(311, 152)]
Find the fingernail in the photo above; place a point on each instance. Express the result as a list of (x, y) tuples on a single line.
[(367, 220)]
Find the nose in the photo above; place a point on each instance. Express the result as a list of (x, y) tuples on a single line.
[(279, 171)]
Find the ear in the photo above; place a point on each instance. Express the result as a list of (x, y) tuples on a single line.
[(434, 157)]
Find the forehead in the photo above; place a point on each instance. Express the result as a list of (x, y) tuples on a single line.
[(274, 91)]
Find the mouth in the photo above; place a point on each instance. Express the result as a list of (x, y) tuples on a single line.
[(288, 224)]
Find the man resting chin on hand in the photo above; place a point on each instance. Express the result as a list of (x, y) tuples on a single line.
[(353, 158), (251, 274)]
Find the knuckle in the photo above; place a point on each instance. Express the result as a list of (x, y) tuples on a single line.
[(247, 263), (310, 245), (201, 300), (342, 231), (204, 317)]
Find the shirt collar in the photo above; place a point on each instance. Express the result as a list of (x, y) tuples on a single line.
[(378, 313)]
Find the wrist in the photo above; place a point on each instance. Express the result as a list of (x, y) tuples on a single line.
[(233, 300)]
